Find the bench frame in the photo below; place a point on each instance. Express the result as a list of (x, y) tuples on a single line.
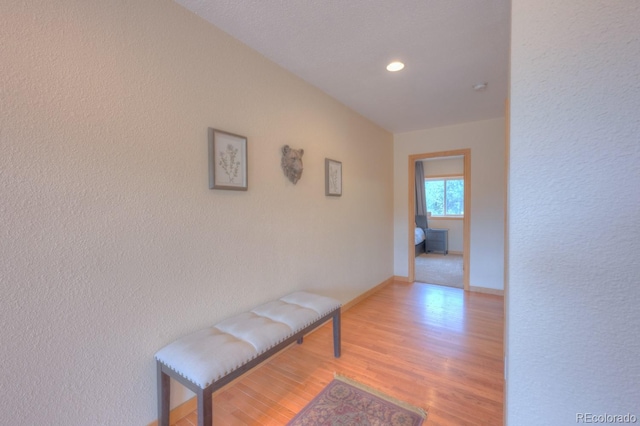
[(205, 405)]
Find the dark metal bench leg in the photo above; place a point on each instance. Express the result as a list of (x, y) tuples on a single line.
[(205, 405), (336, 334), (164, 390)]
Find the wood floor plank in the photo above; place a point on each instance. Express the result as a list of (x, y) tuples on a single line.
[(435, 347)]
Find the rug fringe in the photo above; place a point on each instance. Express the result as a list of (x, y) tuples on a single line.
[(421, 412)]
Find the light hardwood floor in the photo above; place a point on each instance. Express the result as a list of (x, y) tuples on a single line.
[(435, 347)]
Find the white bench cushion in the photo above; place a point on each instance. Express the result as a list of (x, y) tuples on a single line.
[(206, 355), (262, 333), (210, 354), (294, 316), (321, 304)]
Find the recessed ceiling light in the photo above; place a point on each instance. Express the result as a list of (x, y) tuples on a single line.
[(395, 66)]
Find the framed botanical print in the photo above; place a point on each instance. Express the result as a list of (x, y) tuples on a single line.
[(227, 160), (333, 177)]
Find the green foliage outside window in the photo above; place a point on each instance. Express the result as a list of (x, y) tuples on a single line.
[(445, 197)]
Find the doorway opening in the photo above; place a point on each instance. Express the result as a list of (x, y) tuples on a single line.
[(465, 154)]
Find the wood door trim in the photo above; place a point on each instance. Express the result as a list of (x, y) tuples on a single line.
[(466, 243)]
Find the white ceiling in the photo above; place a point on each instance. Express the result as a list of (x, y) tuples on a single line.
[(343, 46)]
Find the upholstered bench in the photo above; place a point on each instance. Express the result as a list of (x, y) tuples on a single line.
[(208, 359)]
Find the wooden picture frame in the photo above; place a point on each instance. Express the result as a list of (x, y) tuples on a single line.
[(332, 177), (227, 161)]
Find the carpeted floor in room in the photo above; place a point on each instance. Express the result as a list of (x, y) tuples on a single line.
[(435, 268)]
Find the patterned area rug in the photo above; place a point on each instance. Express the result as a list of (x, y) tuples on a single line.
[(346, 402)]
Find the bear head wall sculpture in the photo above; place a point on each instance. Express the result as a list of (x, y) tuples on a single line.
[(292, 163)]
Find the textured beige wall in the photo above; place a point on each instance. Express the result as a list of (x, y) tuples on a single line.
[(112, 243), (486, 139), (574, 213)]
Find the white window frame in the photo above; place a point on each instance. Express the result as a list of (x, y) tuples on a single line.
[(445, 179)]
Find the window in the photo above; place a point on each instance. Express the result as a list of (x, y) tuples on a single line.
[(445, 196)]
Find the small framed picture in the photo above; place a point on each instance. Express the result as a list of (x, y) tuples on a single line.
[(333, 177), (227, 160)]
